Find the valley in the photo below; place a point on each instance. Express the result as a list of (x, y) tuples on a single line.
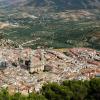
[(51, 23), (57, 30)]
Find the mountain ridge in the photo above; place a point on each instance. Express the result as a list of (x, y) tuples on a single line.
[(53, 4)]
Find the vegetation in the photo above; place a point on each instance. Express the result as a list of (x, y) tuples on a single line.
[(73, 90), (51, 30), (67, 90), (54, 33), (4, 95)]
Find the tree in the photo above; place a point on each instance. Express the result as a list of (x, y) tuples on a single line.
[(4, 95)]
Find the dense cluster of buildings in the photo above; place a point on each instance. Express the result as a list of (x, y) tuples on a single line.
[(26, 70)]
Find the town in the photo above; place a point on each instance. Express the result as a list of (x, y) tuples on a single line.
[(25, 70)]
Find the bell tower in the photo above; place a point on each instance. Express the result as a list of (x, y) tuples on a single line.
[(37, 61)]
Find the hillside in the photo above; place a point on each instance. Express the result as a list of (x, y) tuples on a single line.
[(54, 4), (51, 23)]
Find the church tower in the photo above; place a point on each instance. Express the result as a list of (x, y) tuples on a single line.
[(37, 61)]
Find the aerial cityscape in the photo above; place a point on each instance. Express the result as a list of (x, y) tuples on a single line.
[(47, 44)]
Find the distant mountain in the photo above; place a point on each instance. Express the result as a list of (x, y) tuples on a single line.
[(53, 4), (66, 4), (11, 3)]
